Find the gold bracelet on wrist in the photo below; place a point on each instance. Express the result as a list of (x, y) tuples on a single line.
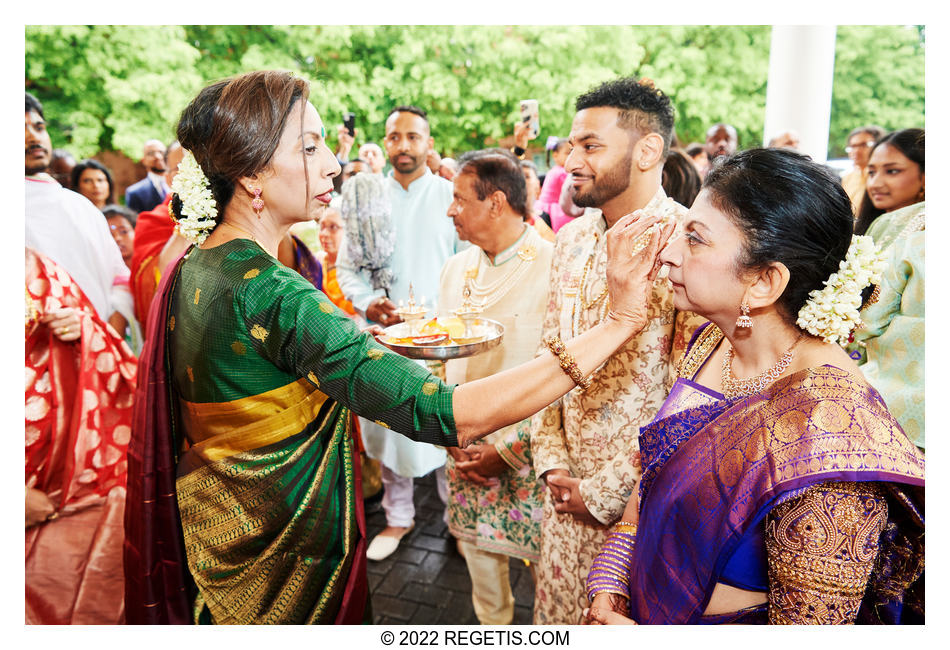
[(625, 527), (567, 362)]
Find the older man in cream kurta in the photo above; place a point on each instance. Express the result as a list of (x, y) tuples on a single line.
[(507, 273)]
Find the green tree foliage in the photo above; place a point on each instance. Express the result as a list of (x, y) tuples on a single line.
[(109, 87), (113, 87), (879, 79)]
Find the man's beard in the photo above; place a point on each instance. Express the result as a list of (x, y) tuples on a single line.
[(37, 166), (406, 167), (158, 170), (606, 186)]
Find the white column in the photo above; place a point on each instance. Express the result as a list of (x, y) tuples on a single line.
[(801, 72)]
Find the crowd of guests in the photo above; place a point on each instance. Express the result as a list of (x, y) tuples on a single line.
[(707, 406)]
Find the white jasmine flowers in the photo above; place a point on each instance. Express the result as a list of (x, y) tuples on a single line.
[(198, 208), (833, 312)]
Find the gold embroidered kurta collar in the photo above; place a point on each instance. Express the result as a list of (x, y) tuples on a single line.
[(518, 248)]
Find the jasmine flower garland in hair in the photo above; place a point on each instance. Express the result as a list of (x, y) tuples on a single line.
[(832, 312), (198, 207)]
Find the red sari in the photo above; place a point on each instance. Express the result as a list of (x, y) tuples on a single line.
[(78, 421), (152, 231)]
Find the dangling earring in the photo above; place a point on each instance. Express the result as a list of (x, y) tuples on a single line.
[(744, 320), (257, 202)]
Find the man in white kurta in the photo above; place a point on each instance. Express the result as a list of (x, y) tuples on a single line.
[(66, 227), (424, 240), (494, 496), (585, 445)]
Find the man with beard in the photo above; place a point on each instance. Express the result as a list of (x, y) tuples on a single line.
[(66, 227), (585, 446), (151, 190), (423, 239), (721, 140)]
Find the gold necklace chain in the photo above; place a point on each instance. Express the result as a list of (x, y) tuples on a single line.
[(491, 292), (582, 290), (733, 387), (489, 295)]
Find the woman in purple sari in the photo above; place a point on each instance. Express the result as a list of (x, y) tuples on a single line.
[(776, 486)]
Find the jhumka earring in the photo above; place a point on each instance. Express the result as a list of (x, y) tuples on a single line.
[(257, 202), (744, 320)]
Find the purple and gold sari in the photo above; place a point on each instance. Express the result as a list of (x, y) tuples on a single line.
[(715, 467)]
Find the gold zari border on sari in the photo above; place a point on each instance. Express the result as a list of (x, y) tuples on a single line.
[(222, 429)]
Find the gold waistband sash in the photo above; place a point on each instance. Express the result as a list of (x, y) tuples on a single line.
[(221, 429)]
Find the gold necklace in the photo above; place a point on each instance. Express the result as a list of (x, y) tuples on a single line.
[(578, 296), (732, 387), (583, 286), (487, 295)]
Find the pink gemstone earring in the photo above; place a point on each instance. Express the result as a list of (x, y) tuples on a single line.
[(744, 320), (257, 202)]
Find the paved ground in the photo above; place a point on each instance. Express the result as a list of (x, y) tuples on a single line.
[(426, 581)]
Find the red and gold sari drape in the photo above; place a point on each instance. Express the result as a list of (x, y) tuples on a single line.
[(78, 408)]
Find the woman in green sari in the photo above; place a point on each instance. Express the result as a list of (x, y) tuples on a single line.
[(244, 504)]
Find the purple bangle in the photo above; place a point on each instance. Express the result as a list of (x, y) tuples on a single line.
[(621, 565), (597, 573), (609, 573), (606, 586)]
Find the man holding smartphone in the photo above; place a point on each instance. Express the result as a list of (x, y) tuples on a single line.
[(345, 137)]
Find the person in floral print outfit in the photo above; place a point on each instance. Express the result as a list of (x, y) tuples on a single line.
[(585, 444), (494, 507)]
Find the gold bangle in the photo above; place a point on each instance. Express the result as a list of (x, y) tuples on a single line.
[(630, 529), (567, 362)]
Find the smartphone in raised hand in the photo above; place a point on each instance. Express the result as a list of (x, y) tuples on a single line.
[(529, 115)]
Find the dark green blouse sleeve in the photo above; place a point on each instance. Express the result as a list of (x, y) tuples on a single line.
[(302, 332)]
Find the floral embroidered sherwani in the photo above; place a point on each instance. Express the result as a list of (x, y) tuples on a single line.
[(593, 433), (503, 518)]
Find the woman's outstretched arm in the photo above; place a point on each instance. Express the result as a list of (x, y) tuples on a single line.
[(488, 404)]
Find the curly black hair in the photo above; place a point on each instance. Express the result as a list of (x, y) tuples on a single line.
[(642, 106)]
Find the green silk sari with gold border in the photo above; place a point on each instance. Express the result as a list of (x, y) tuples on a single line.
[(265, 368)]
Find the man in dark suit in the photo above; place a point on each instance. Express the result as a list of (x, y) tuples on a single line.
[(151, 190)]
